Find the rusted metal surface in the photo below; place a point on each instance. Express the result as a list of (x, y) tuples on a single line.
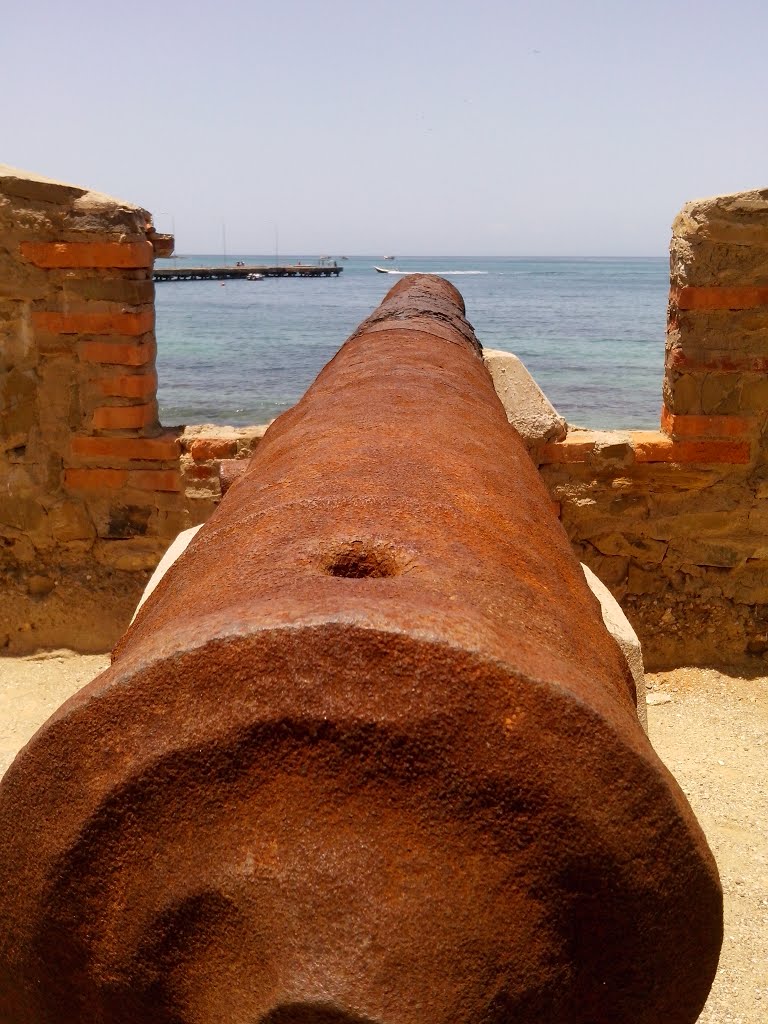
[(367, 753)]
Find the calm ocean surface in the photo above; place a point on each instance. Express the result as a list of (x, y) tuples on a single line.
[(591, 331)]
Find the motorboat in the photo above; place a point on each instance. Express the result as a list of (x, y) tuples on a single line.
[(254, 277)]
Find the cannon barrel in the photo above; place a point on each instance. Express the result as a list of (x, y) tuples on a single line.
[(367, 755)]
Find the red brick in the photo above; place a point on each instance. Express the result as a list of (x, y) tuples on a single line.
[(155, 480), (653, 446), (122, 353), (94, 479), (207, 448), (129, 324), (152, 449), (124, 417), (135, 385), (719, 297), (88, 254), (684, 427)]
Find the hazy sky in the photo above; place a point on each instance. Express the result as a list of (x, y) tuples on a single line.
[(551, 127)]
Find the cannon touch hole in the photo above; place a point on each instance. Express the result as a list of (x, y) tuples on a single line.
[(361, 560)]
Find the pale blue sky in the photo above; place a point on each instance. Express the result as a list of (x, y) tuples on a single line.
[(375, 126)]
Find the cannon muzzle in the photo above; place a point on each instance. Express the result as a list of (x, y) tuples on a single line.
[(367, 755)]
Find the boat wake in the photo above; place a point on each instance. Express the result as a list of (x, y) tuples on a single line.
[(430, 273)]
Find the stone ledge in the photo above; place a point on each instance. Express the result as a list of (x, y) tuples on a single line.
[(642, 446)]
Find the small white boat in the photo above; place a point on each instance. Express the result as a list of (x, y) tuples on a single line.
[(385, 258), (254, 277), (386, 270)]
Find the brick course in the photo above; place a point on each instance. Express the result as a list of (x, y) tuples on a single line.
[(153, 449), (719, 297), (118, 352), (137, 385), (129, 324), (97, 254)]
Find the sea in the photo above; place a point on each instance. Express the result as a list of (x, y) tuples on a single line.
[(590, 331)]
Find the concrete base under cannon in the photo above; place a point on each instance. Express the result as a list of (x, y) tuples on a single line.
[(367, 753)]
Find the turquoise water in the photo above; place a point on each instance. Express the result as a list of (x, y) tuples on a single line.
[(591, 331)]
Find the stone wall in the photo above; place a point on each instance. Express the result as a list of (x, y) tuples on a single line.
[(675, 522), (93, 489)]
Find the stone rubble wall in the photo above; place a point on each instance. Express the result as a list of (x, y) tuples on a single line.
[(676, 522), (93, 489)]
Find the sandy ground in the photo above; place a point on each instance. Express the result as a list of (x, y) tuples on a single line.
[(711, 729)]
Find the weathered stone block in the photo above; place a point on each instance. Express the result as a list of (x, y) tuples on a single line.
[(687, 524), (70, 521), (738, 333), (682, 392), (527, 407), (641, 581), (721, 393), (18, 404), (645, 550), (24, 184), (741, 218), (753, 393), (207, 449), (706, 263), (127, 555), (20, 511)]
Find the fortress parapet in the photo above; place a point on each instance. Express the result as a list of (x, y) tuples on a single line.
[(367, 753)]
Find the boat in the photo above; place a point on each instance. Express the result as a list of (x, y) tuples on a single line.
[(388, 257), (254, 277), (386, 270)]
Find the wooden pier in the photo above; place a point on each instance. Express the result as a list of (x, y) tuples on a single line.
[(232, 272)]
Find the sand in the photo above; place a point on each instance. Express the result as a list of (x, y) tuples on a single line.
[(710, 729)]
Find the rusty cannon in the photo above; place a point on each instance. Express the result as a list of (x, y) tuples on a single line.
[(367, 755)]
